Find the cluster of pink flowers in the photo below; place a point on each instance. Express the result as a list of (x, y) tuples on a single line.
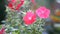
[(19, 5), (41, 12), (30, 17)]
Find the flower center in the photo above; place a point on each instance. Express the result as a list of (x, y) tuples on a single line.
[(42, 12), (29, 18)]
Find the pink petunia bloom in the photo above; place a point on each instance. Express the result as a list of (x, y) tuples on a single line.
[(43, 12), (2, 31), (29, 18)]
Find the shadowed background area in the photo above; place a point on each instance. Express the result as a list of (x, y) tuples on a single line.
[(2, 10)]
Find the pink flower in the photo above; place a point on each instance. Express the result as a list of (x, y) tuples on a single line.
[(43, 12), (10, 5), (29, 18), (2, 31), (13, 1), (20, 4)]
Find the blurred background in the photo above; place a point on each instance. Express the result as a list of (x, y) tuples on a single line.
[(53, 22)]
